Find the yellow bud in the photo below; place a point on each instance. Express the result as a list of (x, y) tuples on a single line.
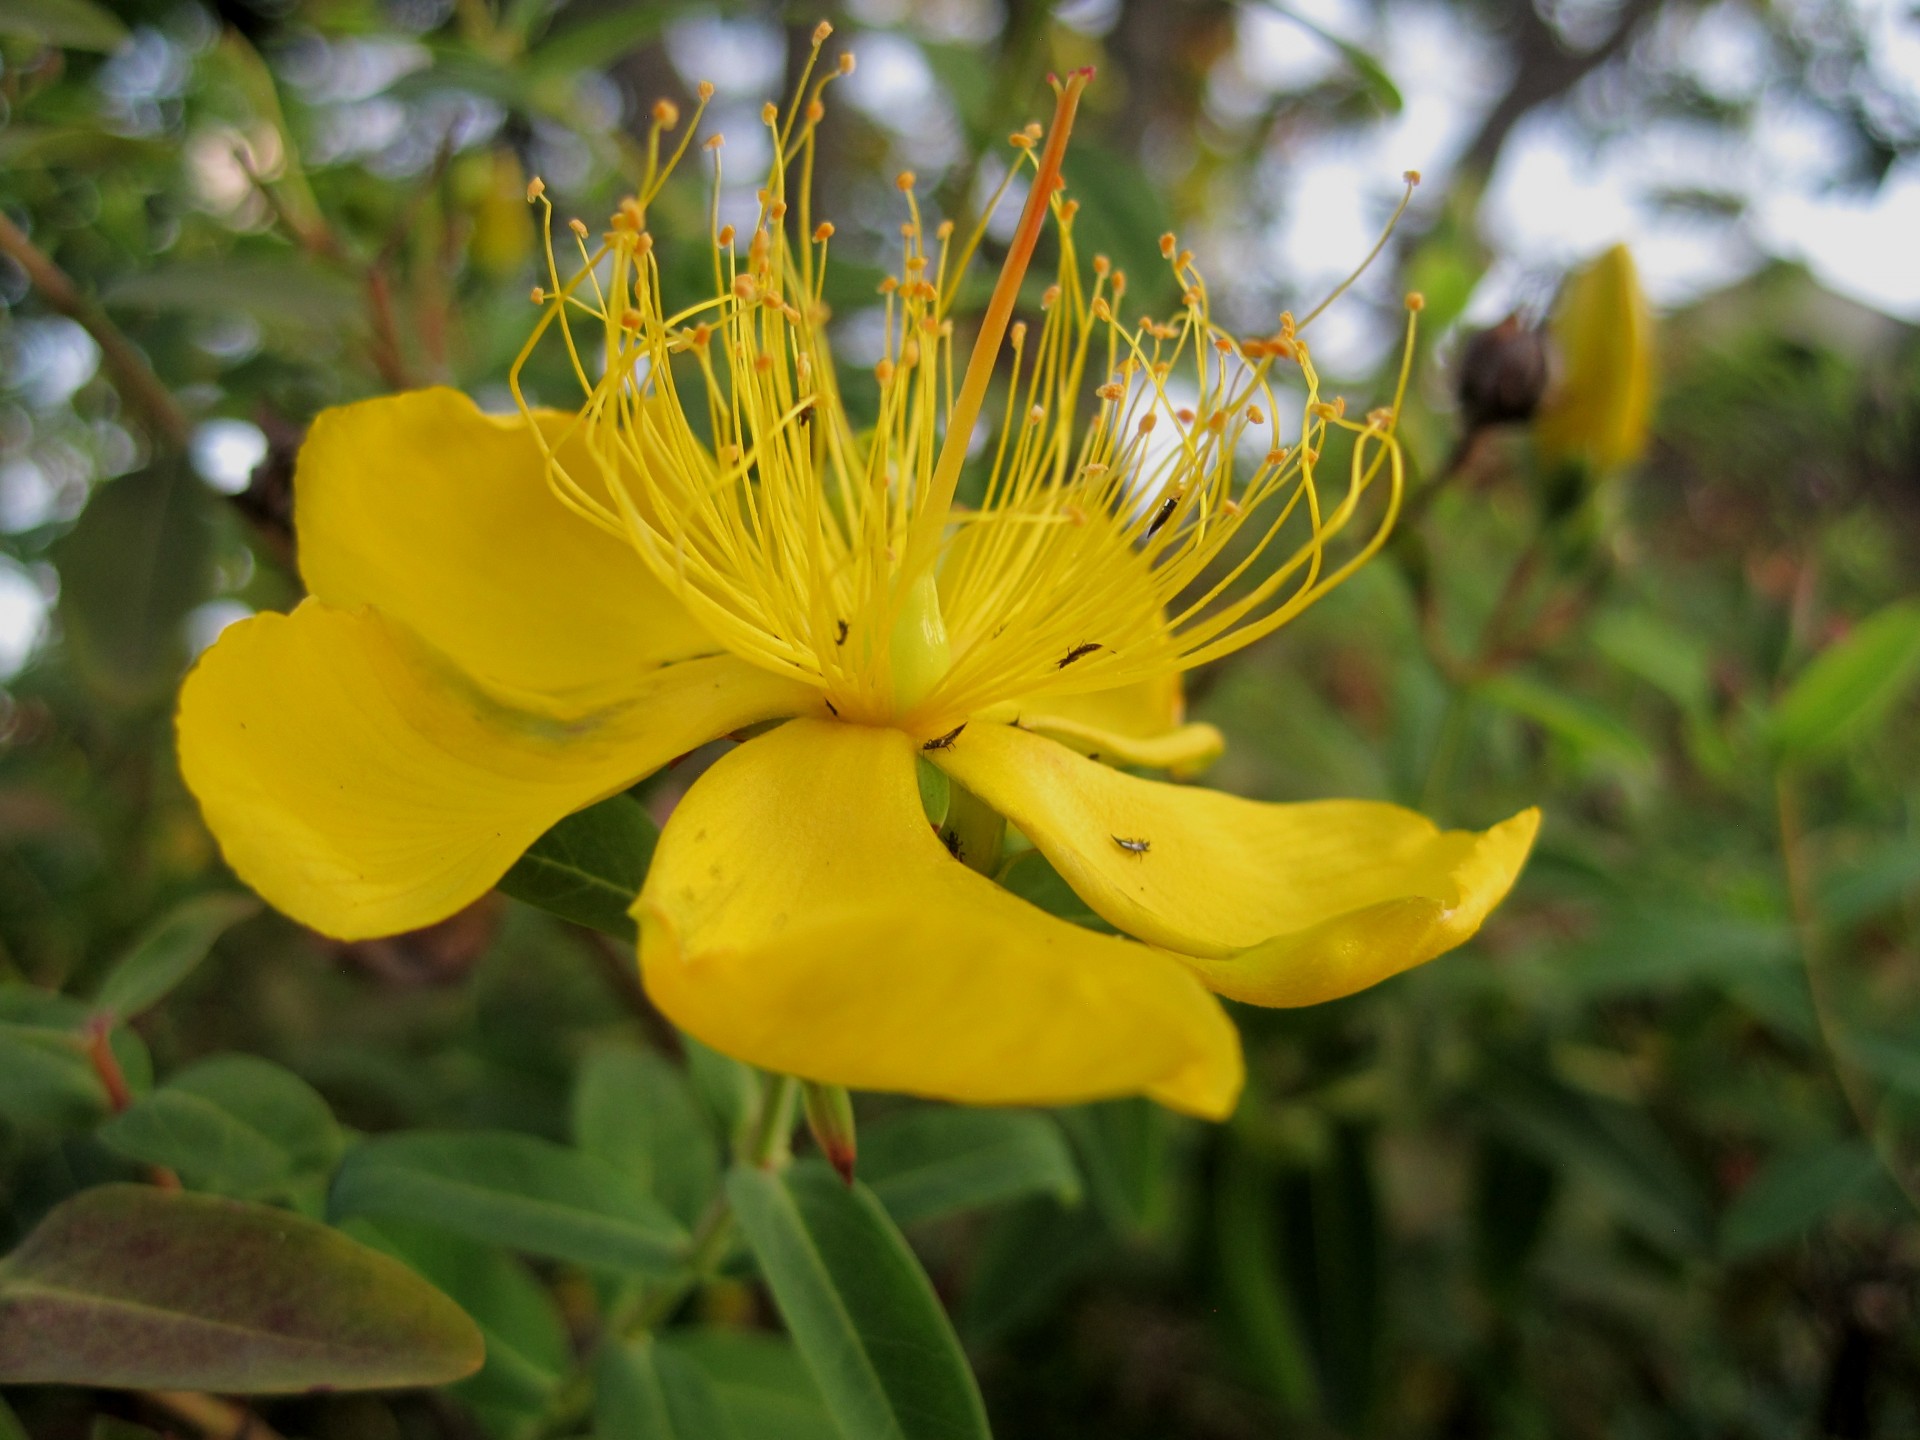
[(921, 653), (1603, 328)]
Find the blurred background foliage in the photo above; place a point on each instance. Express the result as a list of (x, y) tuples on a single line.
[(1641, 1161)]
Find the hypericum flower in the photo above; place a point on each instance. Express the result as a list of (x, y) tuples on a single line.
[(512, 619)]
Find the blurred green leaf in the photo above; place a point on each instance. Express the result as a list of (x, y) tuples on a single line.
[(589, 867), (528, 1351), (1589, 728), (939, 1160), (514, 1190), (234, 1124), (10, 1426), (285, 290), (1668, 658), (1029, 1253), (1793, 1193), (1379, 84), (139, 558), (1850, 685), (47, 1080), (597, 41), (760, 1379), (169, 952), (858, 1305), (1122, 1149), (644, 1391), (1259, 1306), (727, 1088), (129, 1287), (71, 24), (636, 1110)]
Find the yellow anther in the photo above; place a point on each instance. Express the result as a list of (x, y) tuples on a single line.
[(702, 334), (704, 90), (769, 114), (1416, 302), (1074, 513), (1019, 141), (725, 236), (1049, 296), (1033, 130), (1017, 336), (1068, 210), (631, 319), (1119, 286), (1147, 422), (823, 232), (910, 354), (1183, 415), (777, 210), (715, 141), (1277, 456), (883, 372), (944, 230), (666, 114), (1036, 415), (642, 243), (1101, 265), (578, 226), (1183, 260), (916, 264), (763, 362), (816, 112), (887, 285), (539, 296), (1168, 244), (1412, 177), (1102, 310), (743, 286), (820, 33), (1256, 415), (904, 180), (846, 62), (1381, 418), (1096, 468), (536, 187), (1223, 344), (1112, 391), (1231, 506)]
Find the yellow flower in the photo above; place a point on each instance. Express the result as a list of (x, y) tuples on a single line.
[(511, 619), (1600, 406)]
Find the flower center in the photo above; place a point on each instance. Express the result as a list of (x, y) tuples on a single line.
[(1107, 538)]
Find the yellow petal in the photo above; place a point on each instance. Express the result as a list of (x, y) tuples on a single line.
[(1282, 904), (1138, 724), (801, 915), (364, 787), (441, 517)]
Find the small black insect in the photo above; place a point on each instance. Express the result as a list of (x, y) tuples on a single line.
[(1133, 847), (945, 742), (1166, 514), (1078, 651), (806, 415), (840, 633), (954, 847), (831, 706)]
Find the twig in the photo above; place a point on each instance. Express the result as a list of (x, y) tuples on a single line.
[(132, 375)]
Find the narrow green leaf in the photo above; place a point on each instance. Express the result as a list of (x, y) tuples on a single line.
[(514, 1190), (589, 867), (1851, 684), (1587, 727), (1794, 1193), (939, 1160), (71, 24), (140, 557), (761, 1381), (1672, 660), (169, 952), (596, 42), (636, 1110), (235, 1124), (644, 1391), (129, 1287), (10, 1426), (858, 1305), (1370, 70)]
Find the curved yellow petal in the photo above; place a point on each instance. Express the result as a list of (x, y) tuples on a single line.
[(1139, 724), (364, 787), (441, 517), (1281, 904), (801, 915)]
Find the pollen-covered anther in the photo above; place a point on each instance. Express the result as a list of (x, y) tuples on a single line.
[(769, 114), (1102, 310), (715, 141), (1112, 390), (887, 285), (915, 264), (903, 181), (944, 230), (539, 295), (1147, 422), (1101, 265), (1416, 302), (910, 354), (1223, 344), (777, 210), (1019, 141), (1277, 455), (704, 90), (1381, 418), (536, 187), (1256, 415), (1168, 244), (1017, 335), (1217, 421), (1068, 210), (763, 362), (823, 232), (578, 226), (816, 112), (1119, 283), (883, 372), (1049, 297), (1033, 130), (743, 286), (1094, 468), (846, 62), (701, 334), (631, 319), (1184, 415), (666, 114), (1231, 507), (1412, 177), (1074, 514), (821, 32)]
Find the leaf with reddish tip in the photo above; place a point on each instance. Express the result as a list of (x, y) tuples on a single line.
[(134, 1288)]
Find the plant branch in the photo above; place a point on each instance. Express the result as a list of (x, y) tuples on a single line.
[(132, 376)]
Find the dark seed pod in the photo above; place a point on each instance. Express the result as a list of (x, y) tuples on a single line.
[(1503, 373)]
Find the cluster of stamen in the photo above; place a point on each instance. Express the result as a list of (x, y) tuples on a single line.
[(1107, 534)]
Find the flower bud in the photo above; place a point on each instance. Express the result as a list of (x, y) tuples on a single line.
[(1503, 374), (830, 1117), (1598, 410)]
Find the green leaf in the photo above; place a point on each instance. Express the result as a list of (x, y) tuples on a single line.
[(528, 1352), (589, 867), (130, 1287), (140, 557), (858, 1305), (1793, 1193), (70, 24), (514, 1190), (1850, 685), (1587, 727), (47, 1080), (10, 1426), (169, 952), (289, 292), (644, 1391), (635, 1110), (939, 1160), (1379, 84), (596, 42), (760, 1379), (235, 1124), (727, 1088), (1674, 661)]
